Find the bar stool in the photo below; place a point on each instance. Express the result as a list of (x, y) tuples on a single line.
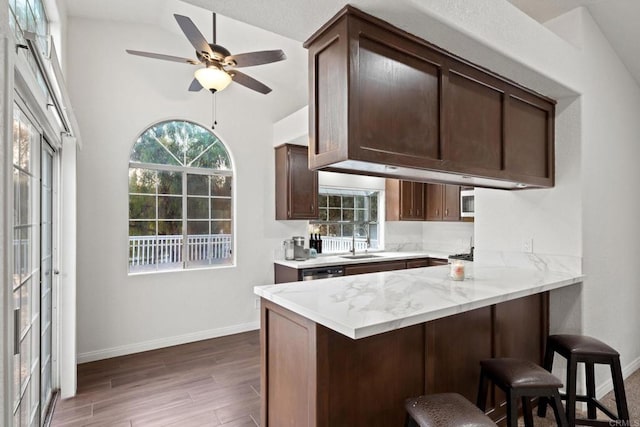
[(582, 349), (444, 410), (520, 379)]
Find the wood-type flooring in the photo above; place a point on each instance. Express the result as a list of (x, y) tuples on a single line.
[(207, 383)]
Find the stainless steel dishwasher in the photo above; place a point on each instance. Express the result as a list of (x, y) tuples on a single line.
[(322, 272)]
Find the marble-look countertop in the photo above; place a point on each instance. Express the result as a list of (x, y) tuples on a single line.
[(332, 260), (368, 304)]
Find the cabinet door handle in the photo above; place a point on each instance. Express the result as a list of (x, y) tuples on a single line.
[(437, 212), (446, 212), (312, 208)]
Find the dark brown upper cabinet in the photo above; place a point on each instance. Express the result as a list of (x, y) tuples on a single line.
[(386, 103), (442, 202), (296, 185), (404, 200)]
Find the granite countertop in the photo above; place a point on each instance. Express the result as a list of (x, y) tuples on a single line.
[(332, 260), (368, 304)]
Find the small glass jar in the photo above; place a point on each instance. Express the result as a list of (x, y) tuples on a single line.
[(456, 270)]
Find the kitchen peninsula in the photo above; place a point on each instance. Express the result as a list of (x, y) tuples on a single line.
[(347, 351)]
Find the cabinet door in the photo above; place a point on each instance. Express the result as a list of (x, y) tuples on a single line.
[(454, 347), (451, 201), (374, 267), (418, 263), (406, 200), (303, 185), (433, 202), (417, 199)]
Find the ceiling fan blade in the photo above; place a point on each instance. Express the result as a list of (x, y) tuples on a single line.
[(162, 56), (257, 58), (249, 82), (194, 35), (195, 86)]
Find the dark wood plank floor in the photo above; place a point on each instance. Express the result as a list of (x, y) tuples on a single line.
[(208, 383)]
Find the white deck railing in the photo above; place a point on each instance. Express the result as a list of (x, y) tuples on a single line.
[(344, 244), (151, 250)]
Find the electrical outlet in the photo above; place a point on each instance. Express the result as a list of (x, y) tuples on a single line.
[(256, 303), (527, 245)]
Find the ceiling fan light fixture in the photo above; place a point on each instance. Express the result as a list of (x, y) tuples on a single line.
[(213, 78)]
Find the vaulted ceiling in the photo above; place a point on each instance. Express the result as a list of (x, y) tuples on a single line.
[(298, 19)]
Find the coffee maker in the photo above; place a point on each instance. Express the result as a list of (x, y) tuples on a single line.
[(299, 253)]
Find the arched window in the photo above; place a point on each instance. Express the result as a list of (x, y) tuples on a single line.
[(180, 199)]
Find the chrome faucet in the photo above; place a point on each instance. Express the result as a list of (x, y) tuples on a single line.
[(362, 227)]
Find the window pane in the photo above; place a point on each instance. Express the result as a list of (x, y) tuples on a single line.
[(169, 228), (359, 215), (197, 227), (142, 228), (142, 180), (169, 207), (169, 182), (198, 185), (347, 230), (221, 208), (335, 201), (21, 13), (198, 208), (323, 201), (347, 215), (142, 207), (221, 186), (24, 181), (215, 157), (324, 214), (334, 230), (334, 215), (220, 227), (347, 201)]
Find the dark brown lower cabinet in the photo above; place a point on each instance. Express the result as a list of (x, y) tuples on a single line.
[(313, 376), (374, 267), (453, 346)]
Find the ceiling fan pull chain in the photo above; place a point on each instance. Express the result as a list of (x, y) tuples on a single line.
[(214, 110)]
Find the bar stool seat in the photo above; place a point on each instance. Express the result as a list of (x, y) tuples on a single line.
[(590, 351), (444, 410), (520, 380)]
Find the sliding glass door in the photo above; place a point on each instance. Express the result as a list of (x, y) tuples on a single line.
[(31, 286)]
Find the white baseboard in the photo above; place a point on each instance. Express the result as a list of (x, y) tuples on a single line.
[(607, 386), (107, 353)]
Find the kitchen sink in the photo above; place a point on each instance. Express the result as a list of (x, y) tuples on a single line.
[(361, 256)]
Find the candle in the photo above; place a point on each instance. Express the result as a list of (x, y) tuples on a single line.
[(457, 270)]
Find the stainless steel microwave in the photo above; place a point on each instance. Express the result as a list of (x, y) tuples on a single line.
[(467, 203)]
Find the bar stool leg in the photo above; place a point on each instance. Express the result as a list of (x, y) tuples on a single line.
[(527, 412), (591, 390), (618, 387), (556, 404), (512, 409), (572, 367), (483, 388), (548, 365)]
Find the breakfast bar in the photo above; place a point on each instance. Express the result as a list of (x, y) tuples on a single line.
[(347, 351)]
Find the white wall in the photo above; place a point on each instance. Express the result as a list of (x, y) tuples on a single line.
[(590, 213), (610, 153), (116, 96)]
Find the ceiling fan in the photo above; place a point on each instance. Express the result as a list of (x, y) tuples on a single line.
[(219, 65)]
